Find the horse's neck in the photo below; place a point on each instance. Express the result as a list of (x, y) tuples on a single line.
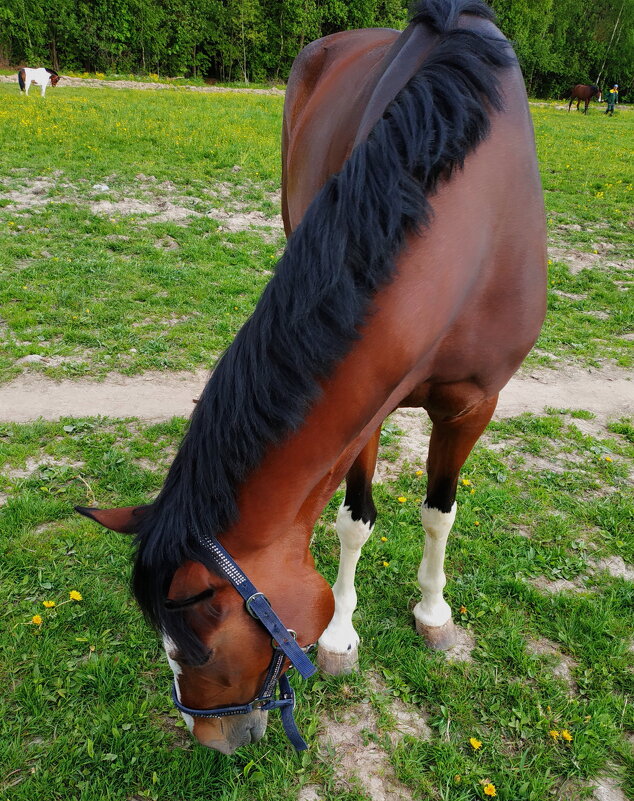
[(284, 496)]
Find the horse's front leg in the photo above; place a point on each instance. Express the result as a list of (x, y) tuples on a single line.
[(451, 442), (339, 644)]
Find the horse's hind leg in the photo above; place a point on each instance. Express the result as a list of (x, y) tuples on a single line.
[(338, 645), (451, 442)]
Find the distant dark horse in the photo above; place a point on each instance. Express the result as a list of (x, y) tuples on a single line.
[(583, 91), (414, 275)]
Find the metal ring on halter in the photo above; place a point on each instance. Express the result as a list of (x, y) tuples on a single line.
[(252, 598), (276, 644)]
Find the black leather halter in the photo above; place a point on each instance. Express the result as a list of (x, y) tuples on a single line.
[(283, 643)]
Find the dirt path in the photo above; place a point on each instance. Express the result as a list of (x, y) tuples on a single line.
[(608, 393), (96, 83)]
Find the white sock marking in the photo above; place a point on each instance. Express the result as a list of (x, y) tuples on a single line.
[(340, 636), (433, 610)]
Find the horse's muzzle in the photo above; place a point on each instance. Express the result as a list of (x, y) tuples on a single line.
[(230, 733)]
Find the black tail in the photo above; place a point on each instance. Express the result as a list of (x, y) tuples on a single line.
[(21, 74)]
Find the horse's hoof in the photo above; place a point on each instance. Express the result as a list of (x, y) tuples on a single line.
[(438, 638), (336, 664)]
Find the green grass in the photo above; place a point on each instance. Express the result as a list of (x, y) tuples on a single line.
[(115, 290), (88, 715), (588, 181)]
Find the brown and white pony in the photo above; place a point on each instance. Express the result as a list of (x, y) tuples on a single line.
[(42, 77), (414, 275)]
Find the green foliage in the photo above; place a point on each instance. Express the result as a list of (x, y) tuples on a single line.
[(558, 43), (234, 40)]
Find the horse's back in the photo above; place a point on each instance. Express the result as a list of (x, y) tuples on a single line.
[(470, 295)]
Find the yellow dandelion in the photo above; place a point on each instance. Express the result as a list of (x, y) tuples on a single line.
[(463, 611), (471, 492), (401, 499), (75, 596), (383, 539), (37, 620), (475, 743), (608, 458), (419, 472), (554, 734), (489, 789), (566, 735), (476, 523), (386, 564), (466, 482), (49, 604)]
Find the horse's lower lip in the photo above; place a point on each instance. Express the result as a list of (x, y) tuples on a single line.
[(223, 746)]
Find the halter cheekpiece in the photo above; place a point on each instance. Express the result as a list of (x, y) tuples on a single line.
[(283, 643)]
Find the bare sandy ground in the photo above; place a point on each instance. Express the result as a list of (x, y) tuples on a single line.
[(608, 393)]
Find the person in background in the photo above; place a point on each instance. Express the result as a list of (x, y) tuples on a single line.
[(613, 99)]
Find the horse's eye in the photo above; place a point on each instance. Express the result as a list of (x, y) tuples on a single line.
[(194, 599), (200, 662)]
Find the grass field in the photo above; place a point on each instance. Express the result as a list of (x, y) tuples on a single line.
[(95, 281)]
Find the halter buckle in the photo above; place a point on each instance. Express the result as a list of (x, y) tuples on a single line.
[(250, 600)]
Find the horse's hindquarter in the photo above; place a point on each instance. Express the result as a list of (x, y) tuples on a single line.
[(329, 87)]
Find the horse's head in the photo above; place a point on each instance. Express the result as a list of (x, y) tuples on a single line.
[(221, 656), (54, 80)]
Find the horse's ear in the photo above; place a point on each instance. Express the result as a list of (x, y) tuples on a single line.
[(125, 520)]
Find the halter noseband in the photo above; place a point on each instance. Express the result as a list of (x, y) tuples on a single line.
[(284, 646)]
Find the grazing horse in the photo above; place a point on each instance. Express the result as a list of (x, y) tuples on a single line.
[(42, 77), (584, 92), (414, 275)]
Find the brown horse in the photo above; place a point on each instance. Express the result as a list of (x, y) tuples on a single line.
[(414, 275), (583, 92)]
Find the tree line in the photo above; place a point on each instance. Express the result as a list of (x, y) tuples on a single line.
[(558, 42)]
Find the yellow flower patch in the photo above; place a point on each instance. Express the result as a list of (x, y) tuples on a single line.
[(475, 743)]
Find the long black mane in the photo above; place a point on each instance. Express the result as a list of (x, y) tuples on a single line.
[(311, 312)]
